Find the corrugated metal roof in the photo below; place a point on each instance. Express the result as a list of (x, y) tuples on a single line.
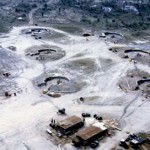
[(70, 121), (89, 132)]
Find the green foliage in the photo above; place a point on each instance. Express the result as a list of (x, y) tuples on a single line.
[(3, 28), (23, 7), (68, 2)]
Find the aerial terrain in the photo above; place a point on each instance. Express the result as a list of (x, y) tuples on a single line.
[(74, 74)]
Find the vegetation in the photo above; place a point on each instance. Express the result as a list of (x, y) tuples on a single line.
[(3, 28)]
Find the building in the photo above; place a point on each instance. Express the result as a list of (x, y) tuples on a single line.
[(70, 125), (107, 9), (88, 135), (131, 9)]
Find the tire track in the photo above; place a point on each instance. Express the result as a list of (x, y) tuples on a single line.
[(128, 105)]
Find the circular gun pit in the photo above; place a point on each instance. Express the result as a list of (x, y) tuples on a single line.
[(44, 53), (58, 84)]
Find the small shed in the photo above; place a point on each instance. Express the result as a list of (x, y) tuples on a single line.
[(130, 8), (107, 9), (88, 135), (70, 125)]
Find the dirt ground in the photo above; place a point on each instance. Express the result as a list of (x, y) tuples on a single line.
[(24, 118)]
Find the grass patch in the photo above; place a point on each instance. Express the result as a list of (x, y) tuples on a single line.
[(86, 65), (69, 29)]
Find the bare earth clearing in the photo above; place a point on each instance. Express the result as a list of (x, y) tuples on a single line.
[(25, 118)]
